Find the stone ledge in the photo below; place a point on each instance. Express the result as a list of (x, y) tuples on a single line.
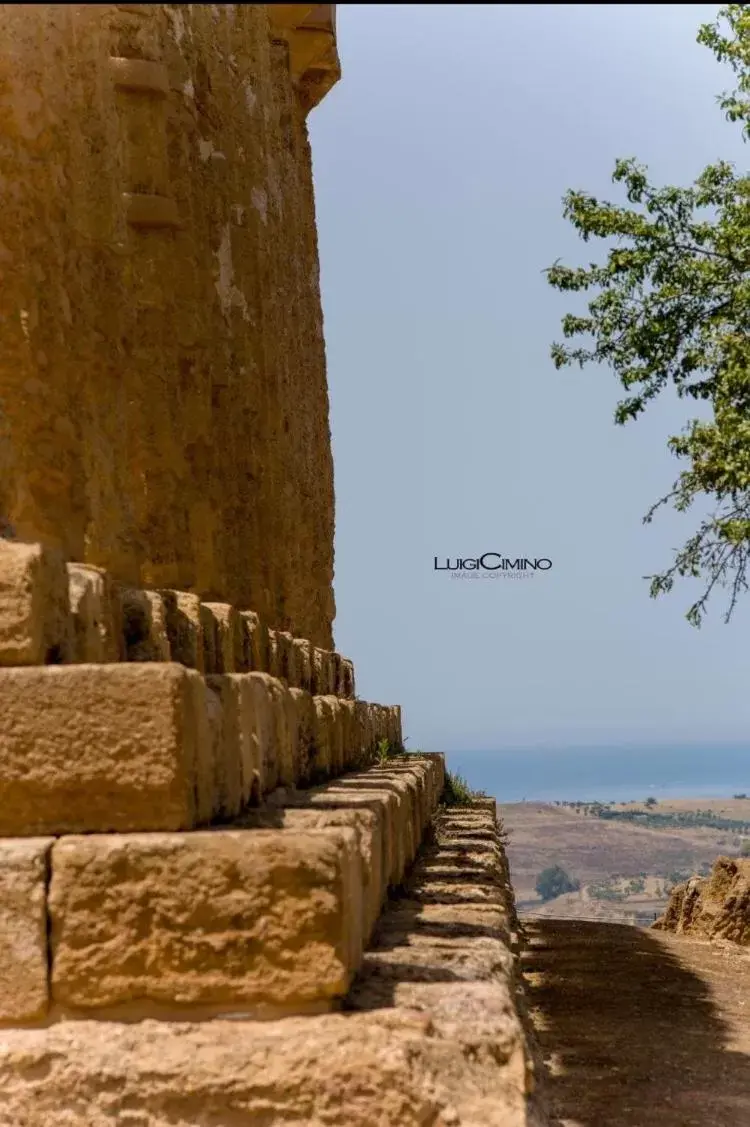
[(265, 917), (309, 31), (253, 921), (154, 746), (433, 1032), (55, 613)]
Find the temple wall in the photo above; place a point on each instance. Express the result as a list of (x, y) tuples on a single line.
[(163, 400)]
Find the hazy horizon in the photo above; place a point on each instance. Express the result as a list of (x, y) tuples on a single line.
[(589, 774), (441, 159)]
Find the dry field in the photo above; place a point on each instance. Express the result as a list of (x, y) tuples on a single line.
[(593, 850)]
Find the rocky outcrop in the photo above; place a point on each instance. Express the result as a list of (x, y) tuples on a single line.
[(713, 907)]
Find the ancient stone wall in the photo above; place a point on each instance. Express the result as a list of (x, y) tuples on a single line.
[(163, 401)]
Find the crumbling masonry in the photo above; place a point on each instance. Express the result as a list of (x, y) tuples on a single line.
[(197, 838)]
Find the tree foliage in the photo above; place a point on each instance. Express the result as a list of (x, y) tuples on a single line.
[(555, 882), (672, 308)]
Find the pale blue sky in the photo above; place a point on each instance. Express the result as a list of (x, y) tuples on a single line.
[(440, 162)]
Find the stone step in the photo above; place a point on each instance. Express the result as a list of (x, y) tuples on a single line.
[(389, 806), (267, 917), (256, 922), (57, 613), (433, 1031), (155, 746)]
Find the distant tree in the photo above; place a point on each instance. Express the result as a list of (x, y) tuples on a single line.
[(739, 796), (650, 801), (671, 306), (555, 882)]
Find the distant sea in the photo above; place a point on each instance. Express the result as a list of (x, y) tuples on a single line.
[(611, 774)]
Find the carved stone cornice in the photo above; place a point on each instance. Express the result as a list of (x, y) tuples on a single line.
[(309, 30)]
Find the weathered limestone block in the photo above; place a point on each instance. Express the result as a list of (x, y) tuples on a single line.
[(349, 732), (303, 663), (288, 751), (274, 657), (404, 784), (395, 728), (35, 620), (341, 1070), (263, 731), (275, 747), (366, 737), (224, 713), (256, 633), (323, 672), (184, 628), (337, 675), (409, 793), (436, 777), (415, 772), (334, 723), (103, 747), (375, 723), (368, 826), (96, 615), (346, 686), (303, 736), (433, 1030), (278, 732), (377, 793), (241, 764), (328, 757), (223, 639), (256, 921), (144, 625), (359, 752), (379, 801), (286, 658), (24, 993)]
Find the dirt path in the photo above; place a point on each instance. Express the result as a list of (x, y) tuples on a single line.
[(639, 1028)]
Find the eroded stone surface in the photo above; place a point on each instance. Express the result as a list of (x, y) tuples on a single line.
[(144, 431), (713, 907), (433, 1033), (241, 920), (440, 952), (184, 628), (337, 1071), (96, 615), (223, 639), (24, 993), (369, 833), (35, 624), (103, 747), (144, 624)]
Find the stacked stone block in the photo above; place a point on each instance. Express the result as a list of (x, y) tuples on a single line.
[(193, 817)]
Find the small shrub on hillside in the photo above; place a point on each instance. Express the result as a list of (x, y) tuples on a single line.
[(554, 882)]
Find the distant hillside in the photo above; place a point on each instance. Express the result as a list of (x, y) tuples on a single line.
[(627, 858)]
